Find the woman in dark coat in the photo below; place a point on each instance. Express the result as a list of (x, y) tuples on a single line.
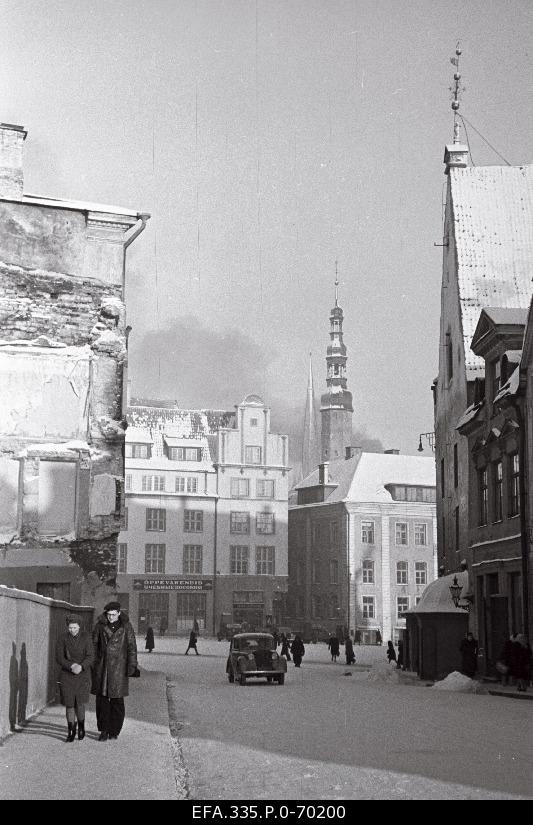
[(297, 650), (348, 650), (75, 655), (334, 649), (149, 639), (391, 653), (285, 647), (522, 662), (115, 649), (468, 649)]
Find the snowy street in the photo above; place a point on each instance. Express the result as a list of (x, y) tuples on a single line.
[(327, 735)]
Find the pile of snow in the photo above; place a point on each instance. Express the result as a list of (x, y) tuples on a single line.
[(383, 672), (459, 683)]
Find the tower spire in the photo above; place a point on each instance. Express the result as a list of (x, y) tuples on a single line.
[(336, 404), (310, 451), (456, 153), (336, 283)]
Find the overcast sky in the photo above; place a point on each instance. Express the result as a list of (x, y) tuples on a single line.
[(267, 140)]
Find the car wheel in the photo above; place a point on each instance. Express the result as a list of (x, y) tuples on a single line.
[(281, 679), (242, 679)]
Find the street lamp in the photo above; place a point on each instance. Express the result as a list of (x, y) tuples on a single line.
[(455, 591), (430, 439)]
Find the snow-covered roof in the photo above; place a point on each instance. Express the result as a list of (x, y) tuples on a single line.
[(470, 414), (363, 477), (82, 206), (510, 387), (436, 597), (507, 315), (493, 228), (176, 427)]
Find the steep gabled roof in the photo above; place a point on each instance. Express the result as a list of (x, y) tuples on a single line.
[(198, 426), (492, 208)]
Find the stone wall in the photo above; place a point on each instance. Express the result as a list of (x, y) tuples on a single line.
[(30, 625)]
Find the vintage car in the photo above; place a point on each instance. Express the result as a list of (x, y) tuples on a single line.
[(254, 655)]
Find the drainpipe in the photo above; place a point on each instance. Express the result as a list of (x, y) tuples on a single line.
[(215, 566), (524, 543), (142, 220)]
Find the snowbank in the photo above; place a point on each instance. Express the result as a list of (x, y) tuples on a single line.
[(459, 683), (383, 672)]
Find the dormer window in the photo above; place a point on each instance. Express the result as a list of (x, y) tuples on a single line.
[(138, 450), (496, 375)]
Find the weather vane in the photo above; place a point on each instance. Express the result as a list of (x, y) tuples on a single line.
[(456, 91), (336, 283)]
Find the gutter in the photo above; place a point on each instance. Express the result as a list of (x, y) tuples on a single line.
[(142, 220)]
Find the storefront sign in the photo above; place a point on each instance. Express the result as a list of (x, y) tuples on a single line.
[(190, 585)]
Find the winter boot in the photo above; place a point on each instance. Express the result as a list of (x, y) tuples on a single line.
[(71, 732), (81, 729)]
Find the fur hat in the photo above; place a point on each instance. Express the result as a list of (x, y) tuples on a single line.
[(73, 620), (112, 606)]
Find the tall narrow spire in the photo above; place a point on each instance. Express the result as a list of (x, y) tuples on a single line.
[(456, 154), (336, 404), (310, 449), (336, 284)]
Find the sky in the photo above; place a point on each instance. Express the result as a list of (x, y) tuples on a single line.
[(269, 139)]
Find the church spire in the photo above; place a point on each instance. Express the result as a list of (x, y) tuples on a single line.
[(310, 451), (336, 404), (456, 154)]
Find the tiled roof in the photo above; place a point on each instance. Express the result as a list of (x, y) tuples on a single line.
[(507, 315), (493, 227), (199, 426)]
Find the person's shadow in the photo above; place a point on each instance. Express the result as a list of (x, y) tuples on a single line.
[(23, 685), (13, 687)]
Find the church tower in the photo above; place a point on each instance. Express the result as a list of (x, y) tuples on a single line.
[(336, 404), (310, 451)]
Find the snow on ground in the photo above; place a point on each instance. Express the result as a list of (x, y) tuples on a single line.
[(383, 672), (459, 683)]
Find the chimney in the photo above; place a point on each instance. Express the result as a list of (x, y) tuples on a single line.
[(323, 473), (391, 452), (11, 174), (350, 452)]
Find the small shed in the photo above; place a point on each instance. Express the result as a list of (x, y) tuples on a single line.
[(435, 629)]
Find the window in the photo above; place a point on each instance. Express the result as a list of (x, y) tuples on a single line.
[(264, 561), (122, 556), (252, 455), (193, 521), (369, 607), (192, 558), (124, 519), (334, 533), (421, 572), (264, 488), (421, 534), (455, 466), (239, 523), (334, 572), (449, 357), (187, 483), (185, 453), (240, 487), (180, 484), (156, 519), (411, 493), (402, 606), (129, 485), (192, 484), (264, 523), (253, 422), (154, 483), (497, 478), (514, 487), (367, 532), (368, 572), (483, 496), (402, 572), (154, 558), (401, 532), (238, 554), (57, 497), (138, 450)]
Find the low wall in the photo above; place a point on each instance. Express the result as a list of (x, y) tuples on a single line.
[(29, 627)]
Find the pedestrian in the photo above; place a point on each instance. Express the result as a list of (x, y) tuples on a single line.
[(276, 637), (391, 653), (297, 650), (505, 663), (468, 649), (399, 661), (379, 640), (149, 639), (358, 637), (334, 648), (522, 662), (193, 641), (75, 656), (163, 625), (115, 648), (285, 650), (348, 651)]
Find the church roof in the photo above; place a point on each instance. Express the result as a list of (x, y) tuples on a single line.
[(493, 228)]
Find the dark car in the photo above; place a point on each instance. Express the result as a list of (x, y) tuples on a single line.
[(253, 655)]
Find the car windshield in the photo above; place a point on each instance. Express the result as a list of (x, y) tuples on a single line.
[(251, 645)]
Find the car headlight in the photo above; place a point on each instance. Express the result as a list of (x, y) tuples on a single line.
[(274, 655), (251, 657)]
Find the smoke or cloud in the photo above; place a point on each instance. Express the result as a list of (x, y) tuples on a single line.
[(200, 367)]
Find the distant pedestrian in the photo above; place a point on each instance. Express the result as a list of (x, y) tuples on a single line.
[(468, 650), (75, 656), (505, 663), (357, 637), (348, 650), (522, 664), (193, 641), (379, 640), (285, 651), (276, 637), (298, 650), (334, 647), (163, 625), (115, 648), (399, 660), (149, 639), (391, 653)]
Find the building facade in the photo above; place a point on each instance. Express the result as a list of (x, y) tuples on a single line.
[(205, 533), (62, 364)]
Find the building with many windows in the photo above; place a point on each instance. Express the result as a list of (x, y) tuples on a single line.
[(205, 527)]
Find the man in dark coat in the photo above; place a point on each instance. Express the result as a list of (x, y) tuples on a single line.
[(115, 650), (348, 651), (334, 647), (298, 650), (468, 649), (193, 641)]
